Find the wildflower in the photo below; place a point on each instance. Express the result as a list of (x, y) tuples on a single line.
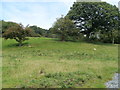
[(94, 49), (29, 46)]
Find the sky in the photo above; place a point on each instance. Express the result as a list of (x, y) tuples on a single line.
[(42, 13)]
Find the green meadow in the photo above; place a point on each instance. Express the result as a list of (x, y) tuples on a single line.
[(49, 63)]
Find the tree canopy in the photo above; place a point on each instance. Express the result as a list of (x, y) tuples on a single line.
[(18, 32), (94, 18), (65, 28), (6, 25), (39, 31)]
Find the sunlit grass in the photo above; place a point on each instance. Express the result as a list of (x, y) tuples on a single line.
[(31, 64)]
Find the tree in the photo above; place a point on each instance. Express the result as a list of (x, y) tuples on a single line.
[(92, 17), (6, 25), (110, 37), (39, 31), (65, 29), (18, 32)]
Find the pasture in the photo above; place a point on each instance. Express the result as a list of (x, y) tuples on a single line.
[(49, 63)]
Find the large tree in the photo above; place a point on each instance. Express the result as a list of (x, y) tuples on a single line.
[(92, 17), (65, 29), (18, 32), (6, 25)]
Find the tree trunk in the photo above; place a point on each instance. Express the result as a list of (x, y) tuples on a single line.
[(113, 41), (62, 38), (20, 43), (88, 36)]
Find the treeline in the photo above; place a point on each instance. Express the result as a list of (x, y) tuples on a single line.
[(86, 21), (36, 31), (90, 21)]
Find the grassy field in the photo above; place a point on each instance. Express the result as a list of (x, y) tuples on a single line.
[(48, 63)]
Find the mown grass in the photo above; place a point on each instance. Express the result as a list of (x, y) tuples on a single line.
[(48, 63)]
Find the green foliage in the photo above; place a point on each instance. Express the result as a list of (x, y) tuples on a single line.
[(39, 31), (66, 29), (92, 17), (65, 80), (110, 37), (18, 32), (36, 31), (6, 25)]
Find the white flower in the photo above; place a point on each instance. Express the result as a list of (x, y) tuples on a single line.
[(94, 49)]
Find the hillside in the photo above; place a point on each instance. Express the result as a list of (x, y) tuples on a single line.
[(46, 62)]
